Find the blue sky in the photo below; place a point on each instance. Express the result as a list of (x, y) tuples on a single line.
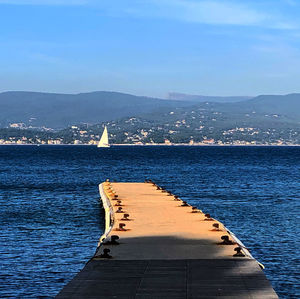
[(151, 47)]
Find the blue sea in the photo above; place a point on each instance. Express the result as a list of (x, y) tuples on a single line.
[(51, 217)]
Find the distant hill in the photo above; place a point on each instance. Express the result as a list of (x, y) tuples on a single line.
[(265, 119), (199, 98), (61, 110), (286, 107), (262, 120), (263, 108)]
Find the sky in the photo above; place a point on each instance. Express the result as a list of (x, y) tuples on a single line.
[(151, 47)]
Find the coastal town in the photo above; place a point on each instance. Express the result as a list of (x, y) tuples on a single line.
[(264, 120), (85, 134)]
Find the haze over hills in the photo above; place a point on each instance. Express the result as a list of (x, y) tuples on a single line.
[(200, 98), (256, 121), (286, 107), (62, 110), (264, 119)]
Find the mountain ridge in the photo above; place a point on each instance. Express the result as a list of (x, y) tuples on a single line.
[(56, 110)]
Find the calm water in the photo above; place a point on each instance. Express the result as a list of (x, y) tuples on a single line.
[(51, 217)]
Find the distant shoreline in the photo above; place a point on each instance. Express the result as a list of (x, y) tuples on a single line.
[(163, 145)]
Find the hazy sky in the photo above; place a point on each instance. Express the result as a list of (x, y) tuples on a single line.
[(151, 47)]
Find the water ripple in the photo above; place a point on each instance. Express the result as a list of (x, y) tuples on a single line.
[(51, 217)]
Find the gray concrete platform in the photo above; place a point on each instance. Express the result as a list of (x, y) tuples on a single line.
[(228, 278)]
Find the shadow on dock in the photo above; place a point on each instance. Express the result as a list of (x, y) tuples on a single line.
[(166, 276)]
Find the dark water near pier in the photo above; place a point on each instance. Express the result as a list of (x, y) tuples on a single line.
[(51, 217)]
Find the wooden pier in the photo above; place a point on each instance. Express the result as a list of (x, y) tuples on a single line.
[(157, 246)]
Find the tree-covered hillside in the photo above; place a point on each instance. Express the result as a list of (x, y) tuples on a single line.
[(262, 120), (61, 110)]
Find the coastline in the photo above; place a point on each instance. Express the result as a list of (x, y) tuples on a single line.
[(161, 145)]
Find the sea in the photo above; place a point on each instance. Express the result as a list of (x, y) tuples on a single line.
[(51, 216)]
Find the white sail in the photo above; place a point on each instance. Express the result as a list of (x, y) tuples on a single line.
[(104, 139)]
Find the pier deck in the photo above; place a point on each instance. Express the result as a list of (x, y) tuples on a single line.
[(166, 250)]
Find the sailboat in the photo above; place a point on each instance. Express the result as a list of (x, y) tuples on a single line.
[(104, 139)]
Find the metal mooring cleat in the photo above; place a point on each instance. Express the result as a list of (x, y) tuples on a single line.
[(113, 240), (125, 217), (119, 210), (216, 227), (226, 241), (239, 252), (118, 204), (121, 227), (208, 218), (105, 254), (195, 210)]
